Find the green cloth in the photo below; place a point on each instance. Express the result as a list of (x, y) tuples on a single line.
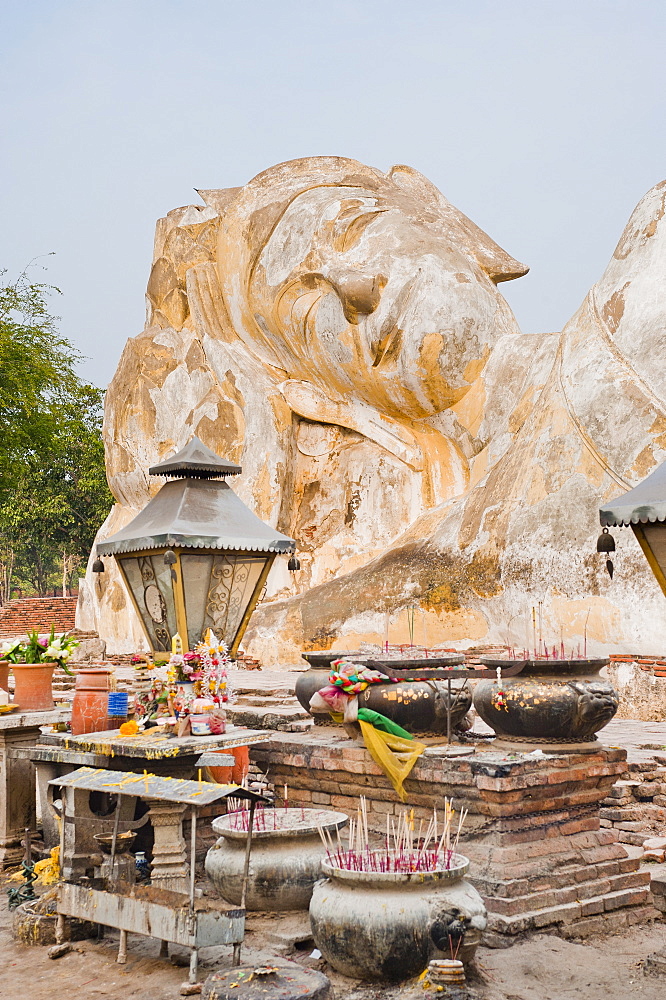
[(381, 722)]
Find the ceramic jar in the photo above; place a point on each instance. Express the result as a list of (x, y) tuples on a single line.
[(4, 675), (560, 704), (90, 705), (312, 680), (285, 862), (200, 725), (237, 773), (200, 709), (390, 925)]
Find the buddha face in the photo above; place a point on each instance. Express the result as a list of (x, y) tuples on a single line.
[(365, 291)]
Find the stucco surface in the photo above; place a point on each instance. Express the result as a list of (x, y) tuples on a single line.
[(338, 331)]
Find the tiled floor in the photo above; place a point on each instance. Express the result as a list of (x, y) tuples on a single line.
[(641, 740)]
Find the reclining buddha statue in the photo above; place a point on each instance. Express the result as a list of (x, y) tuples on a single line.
[(338, 331)]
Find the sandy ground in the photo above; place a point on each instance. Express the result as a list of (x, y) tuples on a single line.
[(549, 968), (542, 968)]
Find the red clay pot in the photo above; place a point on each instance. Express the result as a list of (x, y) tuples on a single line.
[(32, 686), (4, 675), (90, 706)]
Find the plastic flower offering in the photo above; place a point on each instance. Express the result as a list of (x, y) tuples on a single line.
[(214, 658), (206, 667), (42, 649), (176, 669)]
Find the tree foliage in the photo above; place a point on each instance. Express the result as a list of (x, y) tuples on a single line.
[(53, 490)]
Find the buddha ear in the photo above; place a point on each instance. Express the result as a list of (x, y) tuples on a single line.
[(491, 258)]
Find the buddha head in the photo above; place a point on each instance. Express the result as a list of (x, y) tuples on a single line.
[(363, 282)]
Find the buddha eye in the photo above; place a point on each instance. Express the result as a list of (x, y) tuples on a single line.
[(349, 231)]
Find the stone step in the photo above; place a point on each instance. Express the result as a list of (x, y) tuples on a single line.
[(558, 877), (269, 700), (581, 892), (601, 924), (627, 837), (567, 913), (262, 682), (291, 709), (285, 718)]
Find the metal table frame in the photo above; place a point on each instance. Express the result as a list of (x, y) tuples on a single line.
[(135, 914)]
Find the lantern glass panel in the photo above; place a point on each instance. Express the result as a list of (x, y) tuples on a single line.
[(150, 582), (195, 570), (218, 588)]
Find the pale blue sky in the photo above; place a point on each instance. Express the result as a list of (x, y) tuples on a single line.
[(545, 122)]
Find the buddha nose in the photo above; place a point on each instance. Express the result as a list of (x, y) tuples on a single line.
[(359, 293)]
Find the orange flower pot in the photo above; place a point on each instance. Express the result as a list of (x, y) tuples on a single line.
[(4, 675), (32, 686)]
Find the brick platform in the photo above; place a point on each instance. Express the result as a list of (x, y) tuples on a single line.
[(636, 806), (539, 856)]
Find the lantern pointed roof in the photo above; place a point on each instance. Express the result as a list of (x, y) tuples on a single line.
[(642, 504), (195, 461), (196, 511), (196, 514)]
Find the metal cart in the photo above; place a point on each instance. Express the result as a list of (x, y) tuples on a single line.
[(169, 916)]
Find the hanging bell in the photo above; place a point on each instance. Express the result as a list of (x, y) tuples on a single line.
[(98, 566), (605, 542), (170, 560), (294, 564)]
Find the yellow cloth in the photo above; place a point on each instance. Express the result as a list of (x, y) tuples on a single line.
[(48, 870), (395, 755)]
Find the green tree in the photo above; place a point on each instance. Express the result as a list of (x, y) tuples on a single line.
[(53, 490), (37, 367)]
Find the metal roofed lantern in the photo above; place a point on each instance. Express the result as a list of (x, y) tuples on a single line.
[(643, 508), (195, 557)]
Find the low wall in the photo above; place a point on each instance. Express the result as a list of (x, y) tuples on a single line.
[(640, 682), (636, 806)]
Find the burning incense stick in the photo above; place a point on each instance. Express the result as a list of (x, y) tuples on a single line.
[(402, 851)]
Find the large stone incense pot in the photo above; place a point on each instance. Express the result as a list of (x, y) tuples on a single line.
[(388, 925), (286, 857), (556, 704), (419, 706)]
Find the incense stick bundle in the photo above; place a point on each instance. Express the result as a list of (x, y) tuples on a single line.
[(402, 851)]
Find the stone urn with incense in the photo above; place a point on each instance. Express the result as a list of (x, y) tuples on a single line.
[(388, 925), (558, 705), (383, 913), (419, 706), (285, 860)]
